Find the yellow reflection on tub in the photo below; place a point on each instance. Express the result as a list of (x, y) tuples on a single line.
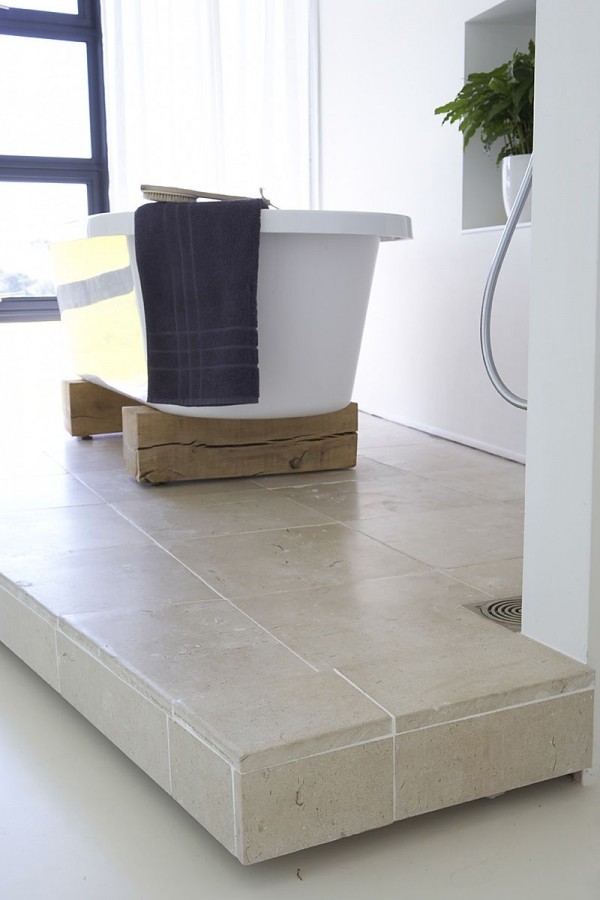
[(106, 339), (86, 258), (100, 311)]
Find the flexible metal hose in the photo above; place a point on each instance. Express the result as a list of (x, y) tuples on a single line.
[(490, 287)]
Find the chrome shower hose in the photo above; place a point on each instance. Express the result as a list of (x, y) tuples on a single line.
[(490, 287)]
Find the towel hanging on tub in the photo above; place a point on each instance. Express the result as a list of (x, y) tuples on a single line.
[(198, 265)]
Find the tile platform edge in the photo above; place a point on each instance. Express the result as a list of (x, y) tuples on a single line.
[(238, 808)]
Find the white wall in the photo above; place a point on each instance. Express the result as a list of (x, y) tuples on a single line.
[(561, 601), (385, 66)]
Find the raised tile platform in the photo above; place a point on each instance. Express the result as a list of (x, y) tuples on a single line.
[(290, 657)]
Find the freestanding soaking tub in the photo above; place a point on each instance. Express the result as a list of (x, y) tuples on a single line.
[(314, 280)]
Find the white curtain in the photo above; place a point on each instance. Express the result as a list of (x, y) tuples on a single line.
[(214, 95)]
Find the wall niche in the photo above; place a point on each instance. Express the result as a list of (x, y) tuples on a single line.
[(490, 40)]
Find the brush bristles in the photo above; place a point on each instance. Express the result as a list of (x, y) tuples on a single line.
[(178, 198)]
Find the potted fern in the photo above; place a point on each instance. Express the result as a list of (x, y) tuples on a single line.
[(499, 106)]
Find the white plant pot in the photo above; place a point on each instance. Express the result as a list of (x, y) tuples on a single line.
[(513, 172)]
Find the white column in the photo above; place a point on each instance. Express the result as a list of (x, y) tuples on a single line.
[(561, 590)]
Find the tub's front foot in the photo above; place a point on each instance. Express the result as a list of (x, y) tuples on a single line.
[(160, 447)]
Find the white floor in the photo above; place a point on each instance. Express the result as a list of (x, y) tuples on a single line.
[(79, 821)]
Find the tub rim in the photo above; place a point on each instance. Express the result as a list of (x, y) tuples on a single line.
[(385, 226)]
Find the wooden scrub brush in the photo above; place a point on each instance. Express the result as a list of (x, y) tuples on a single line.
[(184, 195)]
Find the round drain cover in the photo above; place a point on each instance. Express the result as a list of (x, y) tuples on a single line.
[(506, 612)]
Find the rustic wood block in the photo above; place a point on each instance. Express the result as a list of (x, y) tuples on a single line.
[(90, 409), (159, 447)]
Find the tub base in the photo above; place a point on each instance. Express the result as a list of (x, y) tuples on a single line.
[(160, 448), (90, 409)]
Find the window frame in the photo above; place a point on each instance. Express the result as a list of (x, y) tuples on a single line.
[(85, 26)]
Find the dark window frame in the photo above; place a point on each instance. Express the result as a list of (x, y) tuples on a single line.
[(84, 26)]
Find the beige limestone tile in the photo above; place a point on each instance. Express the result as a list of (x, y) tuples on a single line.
[(181, 515), (201, 782), (185, 650), (264, 562), (134, 576), (134, 724), (441, 455), (374, 431), (311, 801), (365, 620), (232, 682), (115, 485), (32, 532), (489, 483), (365, 470), (451, 537), (370, 499), (427, 456), (455, 663), (44, 492), (15, 589), (486, 755), (502, 578), (22, 458), (263, 722), (29, 636), (76, 455)]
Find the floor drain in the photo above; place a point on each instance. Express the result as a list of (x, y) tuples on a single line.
[(505, 612)]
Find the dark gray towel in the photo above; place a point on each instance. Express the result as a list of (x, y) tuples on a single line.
[(198, 265)]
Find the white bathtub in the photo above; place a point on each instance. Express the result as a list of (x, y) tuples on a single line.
[(314, 279)]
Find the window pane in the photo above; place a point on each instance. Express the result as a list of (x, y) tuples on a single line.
[(29, 217), (56, 6), (44, 106)]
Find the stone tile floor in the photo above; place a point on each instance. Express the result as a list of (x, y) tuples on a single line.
[(290, 657)]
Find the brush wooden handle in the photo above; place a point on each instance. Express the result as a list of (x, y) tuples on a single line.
[(158, 192), (186, 193)]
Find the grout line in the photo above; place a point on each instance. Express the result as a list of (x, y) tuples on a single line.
[(190, 729), (435, 567), (212, 537), (393, 726), (212, 588), (275, 638), (185, 726), (122, 681), (169, 719), (172, 716), (13, 590), (461, 491), (394, 777), (429, 476), (364, 693), (383, 543), (236, 837), (296, 759), (331, 521), (450, 437), (207, 537), (231, 603), (322, 482), (205, 741), (163, 709), (500, 709), (59, 688), (472, 587)]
